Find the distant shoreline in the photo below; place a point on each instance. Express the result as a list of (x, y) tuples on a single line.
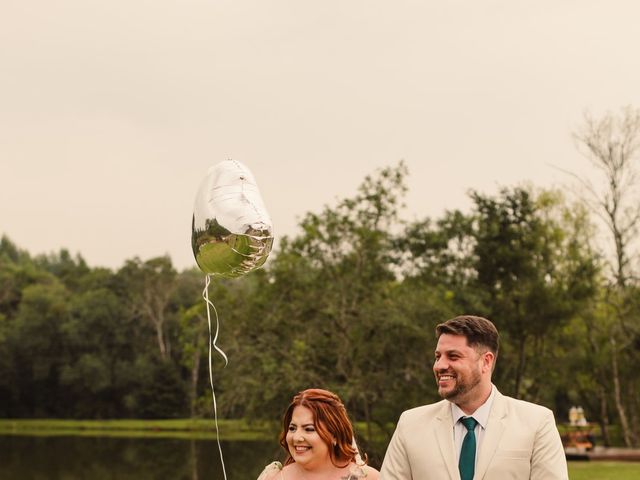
[(197, 428), (231, 430)]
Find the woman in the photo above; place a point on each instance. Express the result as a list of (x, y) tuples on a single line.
[(318, 438)]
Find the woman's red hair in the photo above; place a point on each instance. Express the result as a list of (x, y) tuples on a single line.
[(331, 422)]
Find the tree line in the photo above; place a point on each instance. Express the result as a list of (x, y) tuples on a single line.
[(350, 304)]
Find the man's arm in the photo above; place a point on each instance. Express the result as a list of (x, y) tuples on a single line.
[(396, 464), (548, 460)]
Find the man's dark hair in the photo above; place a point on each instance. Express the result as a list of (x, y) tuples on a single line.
[(478, 331)]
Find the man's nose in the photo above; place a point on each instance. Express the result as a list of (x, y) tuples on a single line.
[(440, 364)]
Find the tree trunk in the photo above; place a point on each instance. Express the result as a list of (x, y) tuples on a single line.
[(160, 338), (156, 317), (154, 307), (634, 415), (367, 416), (195, 370), (624, 423), (603, 421), (521, 365)]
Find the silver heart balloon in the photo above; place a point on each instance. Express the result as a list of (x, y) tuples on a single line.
[(231, 231)]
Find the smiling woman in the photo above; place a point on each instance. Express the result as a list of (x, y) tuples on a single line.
[(318, 439)]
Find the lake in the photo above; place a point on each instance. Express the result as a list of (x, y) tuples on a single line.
[(73, 457), (117, 458)]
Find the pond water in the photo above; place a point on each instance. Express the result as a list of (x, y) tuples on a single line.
[(137, 458), (113, 458)]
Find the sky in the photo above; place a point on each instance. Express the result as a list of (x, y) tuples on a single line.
[(111, 112)]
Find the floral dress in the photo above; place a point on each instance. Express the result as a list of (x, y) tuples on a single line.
[(269, 469), (356, 472)]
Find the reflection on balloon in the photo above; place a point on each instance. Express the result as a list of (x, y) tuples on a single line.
[(231, 231)]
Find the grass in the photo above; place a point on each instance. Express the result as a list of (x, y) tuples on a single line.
[(176, 428), (224, 257), (179, 428), (604, 470)]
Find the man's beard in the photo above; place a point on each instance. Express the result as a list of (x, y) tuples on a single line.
[(462, 387)]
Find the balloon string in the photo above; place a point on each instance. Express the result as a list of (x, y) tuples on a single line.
[(205, 295)]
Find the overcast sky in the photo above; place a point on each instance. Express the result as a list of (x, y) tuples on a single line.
[(112, 111)]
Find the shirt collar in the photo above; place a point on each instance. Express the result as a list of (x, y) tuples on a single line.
[(482, 412)]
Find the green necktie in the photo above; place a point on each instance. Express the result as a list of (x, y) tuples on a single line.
[(467, 463)]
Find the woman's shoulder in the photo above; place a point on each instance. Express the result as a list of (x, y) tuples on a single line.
[(271, 471), (370, 472), (362, 472)]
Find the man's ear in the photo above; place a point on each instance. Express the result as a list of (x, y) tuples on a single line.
[(488, 361)]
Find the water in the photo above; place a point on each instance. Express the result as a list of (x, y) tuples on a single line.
[(114, 458)]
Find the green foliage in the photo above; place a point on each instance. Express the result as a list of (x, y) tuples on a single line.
[(349, 304), (534, 276), (160, 392), (328, 314), (71, 272), (519, 258)]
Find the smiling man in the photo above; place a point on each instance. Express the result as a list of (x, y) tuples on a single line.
[(475, 433)]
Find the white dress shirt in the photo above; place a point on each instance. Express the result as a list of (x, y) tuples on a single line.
[(481, 415)]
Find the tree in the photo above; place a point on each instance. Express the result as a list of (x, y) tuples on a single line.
[(149, 287), (193, 339), (611, 143), (70, 271), (517, 258), (103, 343), (17, 270), (329, 311), (36, 341), (533, 272)]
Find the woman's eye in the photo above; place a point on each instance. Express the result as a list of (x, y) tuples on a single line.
[(310, 429), (292, 428)]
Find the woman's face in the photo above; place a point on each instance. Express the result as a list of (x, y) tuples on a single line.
[(306, 446)]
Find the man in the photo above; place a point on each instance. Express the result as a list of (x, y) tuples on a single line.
[(475, 432)]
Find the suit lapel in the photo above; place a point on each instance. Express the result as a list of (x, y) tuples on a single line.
[(495, 426), (444, 435)]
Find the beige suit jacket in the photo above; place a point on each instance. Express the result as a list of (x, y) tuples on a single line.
[(521, 442)]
